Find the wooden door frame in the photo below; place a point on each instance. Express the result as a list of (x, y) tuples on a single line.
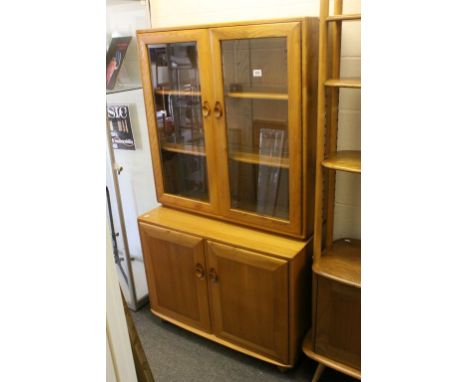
[(292, 31), (201, 37)]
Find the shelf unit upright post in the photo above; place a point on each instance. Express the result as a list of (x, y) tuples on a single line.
[(334, 338)]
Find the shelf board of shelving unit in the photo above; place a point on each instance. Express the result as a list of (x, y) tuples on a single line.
[(187, 93), (350, 17), (258, 95), (342, 262), (184, 148), (353, 83), (346, 160), (308, 349), (253, 158)]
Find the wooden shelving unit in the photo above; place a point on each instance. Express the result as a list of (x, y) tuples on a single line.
[(336, 266)]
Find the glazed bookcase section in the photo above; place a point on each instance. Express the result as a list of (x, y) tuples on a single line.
[(231, 123)]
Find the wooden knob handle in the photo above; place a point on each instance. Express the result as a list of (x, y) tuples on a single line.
[(218, 110), (206, 109), (199, 271), (213, 276)]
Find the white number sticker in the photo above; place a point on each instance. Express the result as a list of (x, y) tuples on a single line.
[(257, 72)]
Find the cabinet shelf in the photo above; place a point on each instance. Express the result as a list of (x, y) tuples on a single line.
[(346, 160), (350, 17), (264, 160), (258, 95), (342, 262), (184, 149), (186, 93), (353, 83)]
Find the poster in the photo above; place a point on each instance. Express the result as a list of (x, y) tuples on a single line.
[(120, 127), (114, 58)]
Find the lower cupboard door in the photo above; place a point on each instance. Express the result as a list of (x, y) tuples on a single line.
[(249, 294), (175, 269), (338, 322)]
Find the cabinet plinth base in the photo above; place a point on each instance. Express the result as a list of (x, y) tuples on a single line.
[(282, 367), (342, 368)]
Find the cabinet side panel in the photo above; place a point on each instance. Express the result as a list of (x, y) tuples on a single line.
[(299, 299), (309, 121)]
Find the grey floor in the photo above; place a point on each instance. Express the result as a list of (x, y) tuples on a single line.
[(177, 355)]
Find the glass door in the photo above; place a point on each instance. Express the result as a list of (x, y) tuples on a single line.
[(258, 112), (177, 93)]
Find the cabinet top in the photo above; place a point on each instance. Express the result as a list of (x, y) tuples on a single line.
[(223, 232), (230, 24)]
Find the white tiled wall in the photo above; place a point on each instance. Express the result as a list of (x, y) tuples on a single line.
[(188, 12)]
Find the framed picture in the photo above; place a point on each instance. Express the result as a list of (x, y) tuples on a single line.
[(120, 127)]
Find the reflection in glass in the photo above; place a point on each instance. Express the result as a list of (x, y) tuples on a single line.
[(256, 101), (176, 85)]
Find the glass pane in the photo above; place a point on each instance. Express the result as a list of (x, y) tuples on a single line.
[(176, 85), (256, 99)]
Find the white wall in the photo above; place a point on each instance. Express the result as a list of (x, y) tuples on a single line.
[(188, 12)]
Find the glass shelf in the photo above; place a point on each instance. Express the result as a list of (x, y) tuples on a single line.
[(258, 95), (184, 148), (254, 158)]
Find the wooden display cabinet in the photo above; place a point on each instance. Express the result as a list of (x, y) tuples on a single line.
[(231, 113), (245, 289)]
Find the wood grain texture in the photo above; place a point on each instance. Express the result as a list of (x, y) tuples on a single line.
[(302, 39), (264, 160), (354, 83), (310, 40), (340, 17), (338, 322), (223, 342), (250, 299), (342, 262), (171, 259), (184, 149), (256, 95), (299, 299), (334, 63), (222, 232), (292, 32), (307, 348), (201, 38), (344, 160)]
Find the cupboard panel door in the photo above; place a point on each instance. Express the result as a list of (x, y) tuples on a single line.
[(176, 273), (176, 75), (249, 295), (257, 90), (338, 322)]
